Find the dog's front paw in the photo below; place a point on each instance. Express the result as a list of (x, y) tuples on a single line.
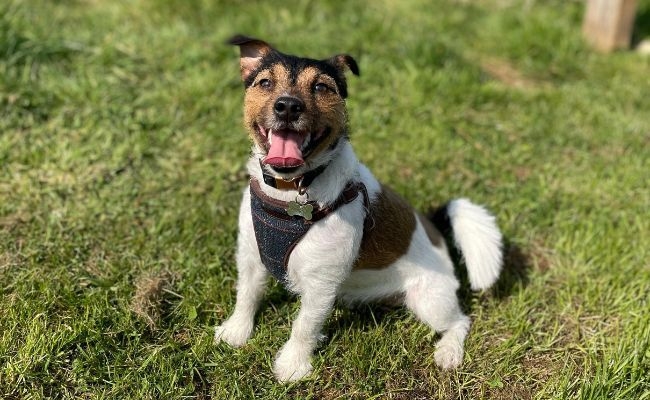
[(292, 363), (448, 355), (235, 333)]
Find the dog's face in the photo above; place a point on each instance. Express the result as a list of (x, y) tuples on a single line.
[(294, 108)]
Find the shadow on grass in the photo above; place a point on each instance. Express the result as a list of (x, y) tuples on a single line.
[(516, 267), (513, 277), (641, 26)]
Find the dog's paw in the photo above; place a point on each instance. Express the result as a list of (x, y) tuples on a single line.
[(448, 355), (292, 363), (234, 333)]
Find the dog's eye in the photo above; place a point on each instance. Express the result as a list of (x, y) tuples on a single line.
[(321, 88), (264, 83)]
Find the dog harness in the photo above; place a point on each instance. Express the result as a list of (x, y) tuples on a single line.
[(279, 227)]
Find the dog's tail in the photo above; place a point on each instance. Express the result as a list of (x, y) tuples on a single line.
[(478, 238)]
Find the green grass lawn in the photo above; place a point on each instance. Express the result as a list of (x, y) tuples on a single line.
[(122, 162)]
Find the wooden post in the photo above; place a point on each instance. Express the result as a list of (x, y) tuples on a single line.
[(608, 23)]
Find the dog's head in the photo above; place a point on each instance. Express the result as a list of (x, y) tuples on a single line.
[(294, 107)]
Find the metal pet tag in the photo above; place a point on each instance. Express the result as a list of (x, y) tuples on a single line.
[(301, 210)]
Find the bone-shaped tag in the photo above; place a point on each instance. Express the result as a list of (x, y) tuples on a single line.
[(301, 210)]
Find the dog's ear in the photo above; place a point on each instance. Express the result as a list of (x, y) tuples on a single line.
[(343, 61), (251, 53)]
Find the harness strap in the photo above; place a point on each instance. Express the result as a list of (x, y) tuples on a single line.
[(279, 207)]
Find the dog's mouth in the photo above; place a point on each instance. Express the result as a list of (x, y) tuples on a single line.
[(288, 148)]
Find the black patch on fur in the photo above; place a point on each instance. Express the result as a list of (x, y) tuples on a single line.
[(440, 218), (239, 40)]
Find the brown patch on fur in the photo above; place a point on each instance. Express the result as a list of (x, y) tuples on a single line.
[(148, 297), (305, 80), (391, 226), (258, 102), (332, 116), (435, 237)]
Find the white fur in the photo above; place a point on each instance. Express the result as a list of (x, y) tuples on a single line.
[(477, 235), (320, 268)]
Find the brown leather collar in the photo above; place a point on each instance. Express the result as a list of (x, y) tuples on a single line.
[(279, 207)]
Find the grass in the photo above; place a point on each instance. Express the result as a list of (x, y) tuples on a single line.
[(121, 165)]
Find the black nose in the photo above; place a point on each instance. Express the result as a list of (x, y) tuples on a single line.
[(288, 108)]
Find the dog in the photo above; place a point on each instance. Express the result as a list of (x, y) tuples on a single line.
[(316, 219)]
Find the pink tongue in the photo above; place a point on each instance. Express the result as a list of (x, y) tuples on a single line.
[(285, 149)]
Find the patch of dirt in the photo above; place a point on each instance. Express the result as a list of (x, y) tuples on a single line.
[(12, 257), (504, 72), (12, 221), (542, 366), (184, 337), (149, 292), (540, 255), (96, 263), (515, 391), (522, 173), (7, 260)]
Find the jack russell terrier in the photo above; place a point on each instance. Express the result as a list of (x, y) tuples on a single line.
[(316, 219)]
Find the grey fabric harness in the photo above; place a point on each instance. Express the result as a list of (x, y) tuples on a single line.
[(278, 233)]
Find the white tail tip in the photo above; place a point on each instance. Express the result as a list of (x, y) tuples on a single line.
[(478, 238)]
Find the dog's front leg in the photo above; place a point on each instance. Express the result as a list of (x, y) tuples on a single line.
[(237, 329), (293, 361), (251, 283)]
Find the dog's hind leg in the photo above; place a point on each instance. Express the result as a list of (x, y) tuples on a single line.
[(433, 300)]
